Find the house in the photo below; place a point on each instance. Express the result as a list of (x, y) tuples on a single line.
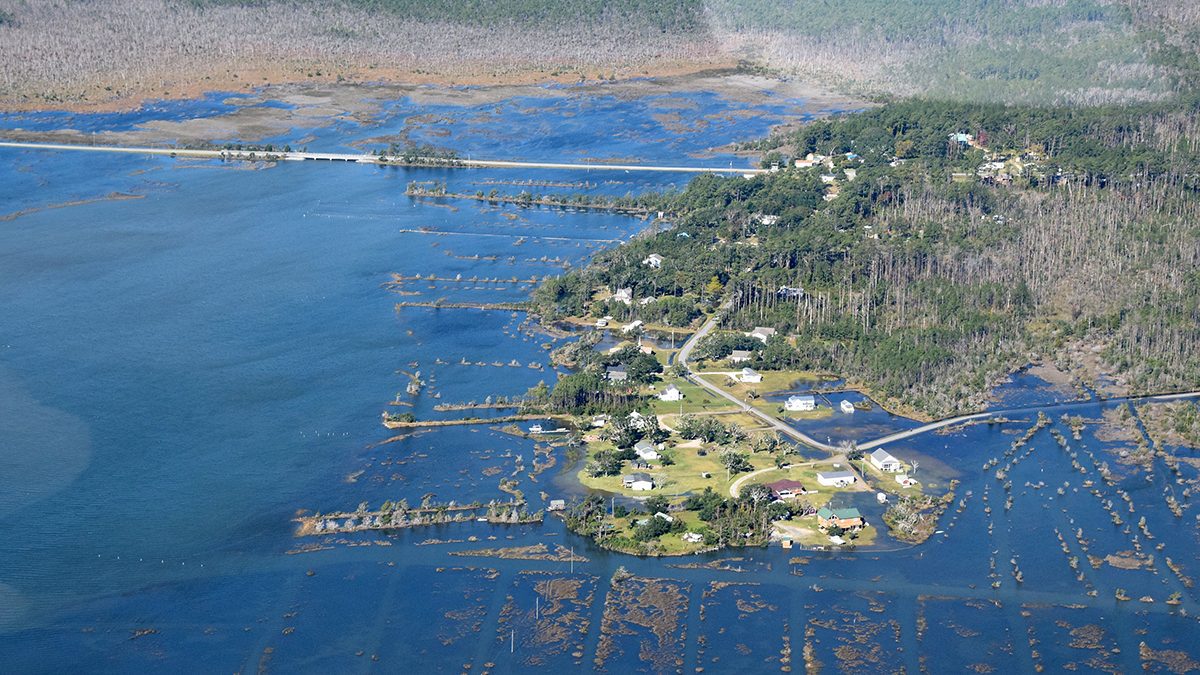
[(789, 292), (904, 480), (623, 295), (800, 403), (786, 489), (767, 219), (740, 355), (847, 519), (646, 450), (836, 478), (600, 421), (654, 260), (828, 178), (616, 373), (637, 481), (647, 300), (671, 393), (692, 537), (962, 139), (637, 420), (750, 375), (630, 327), (761, 334), (639, 464), (810, 160), (851, 174), (601, 323), (664, 516), (881, 459), (557, 505)]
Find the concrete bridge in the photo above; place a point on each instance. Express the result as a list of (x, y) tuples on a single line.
[(440, 162)]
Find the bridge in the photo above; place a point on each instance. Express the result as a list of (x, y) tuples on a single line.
[(440, 162)]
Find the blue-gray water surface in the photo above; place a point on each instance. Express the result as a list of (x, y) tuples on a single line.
[(192, 352)]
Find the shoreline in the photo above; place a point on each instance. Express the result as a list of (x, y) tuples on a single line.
[(256, 80)]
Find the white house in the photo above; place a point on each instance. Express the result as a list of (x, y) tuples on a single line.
[(637, 420), (800, 403), (836, 478), (646, 450), (616, 373), (761, 334), (632, 326), (654, 260), (647, 300), (671, 393), (767, 219), (637, 481), (623, 295), (904, 480), (750, 376), (739, 356), (881, 459)]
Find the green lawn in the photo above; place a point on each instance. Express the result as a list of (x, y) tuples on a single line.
[(695, 399), (772, 381), (808, 476), (681, 478)]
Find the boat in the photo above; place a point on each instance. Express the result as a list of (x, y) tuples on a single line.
[(847, 407), (535, 429), (881, 497)]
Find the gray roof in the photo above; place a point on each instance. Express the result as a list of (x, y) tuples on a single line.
[(882, 455), (634, 477), (644, 445), (835, 475)]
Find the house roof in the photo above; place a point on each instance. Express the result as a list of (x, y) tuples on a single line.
[(644, 445), (636, 477), (804, 397), (620, 368), (785, 484), (760, 330), (749, 371), (882, 455), (838, 514), (740, 353), (835, 475)]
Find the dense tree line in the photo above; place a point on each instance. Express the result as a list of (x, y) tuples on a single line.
[(931, 289)]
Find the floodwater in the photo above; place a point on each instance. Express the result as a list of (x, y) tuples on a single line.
[(182, 372)]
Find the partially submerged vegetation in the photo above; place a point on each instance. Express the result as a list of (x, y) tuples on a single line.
[(1084, 51)]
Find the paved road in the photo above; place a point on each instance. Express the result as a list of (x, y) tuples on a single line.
[(686, 351), (372, 159)]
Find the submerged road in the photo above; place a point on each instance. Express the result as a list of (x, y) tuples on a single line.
[(429, 162)]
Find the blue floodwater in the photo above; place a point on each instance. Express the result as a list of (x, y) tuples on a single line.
[(184, 371)]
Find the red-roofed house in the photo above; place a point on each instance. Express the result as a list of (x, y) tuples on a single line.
[(786, 489)]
